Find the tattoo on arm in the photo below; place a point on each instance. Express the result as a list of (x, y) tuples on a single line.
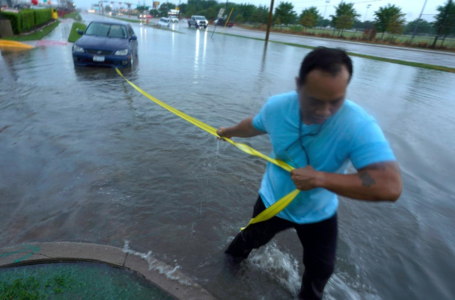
[(367, 180)]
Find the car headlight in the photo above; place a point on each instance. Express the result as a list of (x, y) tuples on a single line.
[(121, 52), (76, 48)]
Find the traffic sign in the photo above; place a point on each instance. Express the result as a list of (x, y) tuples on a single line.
[(221, 12)]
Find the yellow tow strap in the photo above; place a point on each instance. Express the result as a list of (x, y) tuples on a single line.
[(271, 210)]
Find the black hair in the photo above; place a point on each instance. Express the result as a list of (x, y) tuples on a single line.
[(326, 59)]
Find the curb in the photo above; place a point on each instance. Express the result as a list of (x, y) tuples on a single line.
[(160, 274)]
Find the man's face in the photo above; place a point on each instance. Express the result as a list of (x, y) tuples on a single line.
[(322, 95)]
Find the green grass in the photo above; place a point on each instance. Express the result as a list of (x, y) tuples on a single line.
[(395, 61), (74, 36), (38, 35), (34, 287), (75, 281)]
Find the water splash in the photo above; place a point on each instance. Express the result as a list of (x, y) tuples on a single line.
[(280, 266), (156, 265), (341, 286), (284, 268)]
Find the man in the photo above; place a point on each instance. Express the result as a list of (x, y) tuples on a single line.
[(317, 131)]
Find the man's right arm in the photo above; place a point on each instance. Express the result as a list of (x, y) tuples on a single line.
[(244, 129)]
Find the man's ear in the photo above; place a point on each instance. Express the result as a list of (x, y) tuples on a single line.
[(298, 84)]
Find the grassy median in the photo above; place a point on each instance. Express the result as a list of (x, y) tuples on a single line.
[(395, 61), (74, 15), (74, 36), (127, 20)]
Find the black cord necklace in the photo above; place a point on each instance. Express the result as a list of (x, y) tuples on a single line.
[(305, 135)]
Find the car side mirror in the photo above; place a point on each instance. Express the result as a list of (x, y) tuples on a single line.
[(134, 38), (80, 32)]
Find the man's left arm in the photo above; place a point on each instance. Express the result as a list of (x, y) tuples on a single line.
[(375, 182)]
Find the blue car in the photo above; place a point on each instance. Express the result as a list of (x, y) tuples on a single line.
[(111, 44)]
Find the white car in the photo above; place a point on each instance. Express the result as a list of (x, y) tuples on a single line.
[(174, 19), (164, 22), (198, 21)]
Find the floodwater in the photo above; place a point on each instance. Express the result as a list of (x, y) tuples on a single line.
[(85, 157)]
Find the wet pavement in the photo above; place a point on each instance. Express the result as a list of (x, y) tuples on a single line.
[(84, 157)]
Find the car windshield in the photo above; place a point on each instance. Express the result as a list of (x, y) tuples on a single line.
[(107, 30), (200, 18)]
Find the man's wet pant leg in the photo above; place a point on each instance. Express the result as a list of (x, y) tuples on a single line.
[(318, 241), (319, 250), (256, 235)]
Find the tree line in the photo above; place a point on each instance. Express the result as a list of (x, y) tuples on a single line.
[(387, 19)]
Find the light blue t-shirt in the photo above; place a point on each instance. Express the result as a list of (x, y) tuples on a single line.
[(350, 135)]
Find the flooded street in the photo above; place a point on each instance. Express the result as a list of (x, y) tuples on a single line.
[(85, 157)]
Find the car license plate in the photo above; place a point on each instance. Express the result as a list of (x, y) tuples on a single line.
[(98, 58)]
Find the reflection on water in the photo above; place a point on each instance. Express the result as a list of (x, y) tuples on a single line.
[(87, 158), (205, 44), (196, 56)]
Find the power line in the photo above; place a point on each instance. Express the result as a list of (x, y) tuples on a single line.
[(418, 20)]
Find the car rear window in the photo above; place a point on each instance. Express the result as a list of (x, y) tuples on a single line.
[(107, 30)]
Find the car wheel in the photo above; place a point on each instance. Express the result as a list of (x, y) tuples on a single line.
[(189, 25), (132, 60)]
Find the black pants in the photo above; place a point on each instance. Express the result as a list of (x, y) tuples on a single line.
[(318, 241)]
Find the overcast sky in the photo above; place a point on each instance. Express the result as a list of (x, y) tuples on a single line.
[(411, 8)]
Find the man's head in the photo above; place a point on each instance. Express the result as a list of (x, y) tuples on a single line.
[(323, 79)]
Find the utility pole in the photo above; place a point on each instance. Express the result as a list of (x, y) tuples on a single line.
[(418, 20), (325, 10), (269, 23), (442, 24), (368, 6)]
